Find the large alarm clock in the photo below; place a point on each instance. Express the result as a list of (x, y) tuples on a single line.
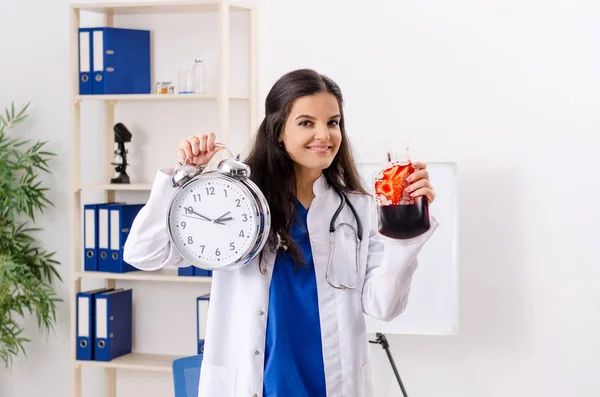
[(218, 219)]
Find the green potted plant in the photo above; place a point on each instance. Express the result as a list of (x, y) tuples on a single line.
[(26, 270)]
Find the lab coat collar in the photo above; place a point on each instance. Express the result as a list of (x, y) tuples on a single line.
[(320, 186)]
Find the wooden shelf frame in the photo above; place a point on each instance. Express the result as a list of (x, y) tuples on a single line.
[(135, 361), (162, 275), (223, 8), (155, 97), (113, 187), (161, 7)]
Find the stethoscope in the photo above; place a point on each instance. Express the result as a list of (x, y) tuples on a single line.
[(358, 234)]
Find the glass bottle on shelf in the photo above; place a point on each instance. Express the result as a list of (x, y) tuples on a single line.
[(186, 82), (198, 72), (399, 215)]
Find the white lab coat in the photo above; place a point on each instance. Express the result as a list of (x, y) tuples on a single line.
[(233, 359)]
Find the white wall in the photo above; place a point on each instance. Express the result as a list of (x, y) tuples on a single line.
[(508, 89)]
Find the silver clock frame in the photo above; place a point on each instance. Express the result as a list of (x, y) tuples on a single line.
[(259, 206)]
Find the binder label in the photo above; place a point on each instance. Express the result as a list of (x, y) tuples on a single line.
[(114, 231), (90, 229), (84, 52), (98, 50), (103, 229), (83, 312), (101, 318)]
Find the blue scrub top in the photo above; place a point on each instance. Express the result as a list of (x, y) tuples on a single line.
[(293, 353)]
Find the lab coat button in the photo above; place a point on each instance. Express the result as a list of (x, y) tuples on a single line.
[(264, 271), (256, 352), (255, 395), (260, 313)]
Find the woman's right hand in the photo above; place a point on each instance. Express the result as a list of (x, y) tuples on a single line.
[(199, 149)]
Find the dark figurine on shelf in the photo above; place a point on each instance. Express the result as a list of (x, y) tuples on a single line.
[(122, 135)]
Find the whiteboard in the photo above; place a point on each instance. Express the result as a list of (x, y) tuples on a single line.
[(432, 307)]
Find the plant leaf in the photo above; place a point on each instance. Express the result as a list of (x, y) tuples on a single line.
[(26, 269), (23, 110)]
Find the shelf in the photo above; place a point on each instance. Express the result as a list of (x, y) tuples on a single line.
[(136, 361), (117, 186), (168, 275), (164, 7), (223, 100), (152, 97)]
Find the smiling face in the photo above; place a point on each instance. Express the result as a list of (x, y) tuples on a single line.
[(312, 135)]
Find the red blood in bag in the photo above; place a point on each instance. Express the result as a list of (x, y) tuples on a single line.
[(399, 215)]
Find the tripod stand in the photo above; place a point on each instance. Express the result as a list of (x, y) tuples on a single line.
[(382, 340)]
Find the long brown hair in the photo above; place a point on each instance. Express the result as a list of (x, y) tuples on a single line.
[(273, 169)]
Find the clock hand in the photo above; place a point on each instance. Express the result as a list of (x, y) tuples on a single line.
[(202, 216), (208, 220), (200, 219), (220, 218), (223, 220)]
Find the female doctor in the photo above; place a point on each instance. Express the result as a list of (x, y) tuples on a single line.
[(290, 323)]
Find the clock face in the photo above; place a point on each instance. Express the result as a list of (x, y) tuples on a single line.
[(212, 222)]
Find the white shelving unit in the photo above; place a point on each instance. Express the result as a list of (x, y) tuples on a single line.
[(157, 275), (153, 97), (141, 361), (136, 361), (116, 187)]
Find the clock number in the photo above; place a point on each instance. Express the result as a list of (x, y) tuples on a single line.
[(231, 246), (217, 252), (202, 247), (237, 201), (244, 217), (197, 198), (210, 191), (183, 225), (189, 210), (225, 190), (190, 240), (241, 233)]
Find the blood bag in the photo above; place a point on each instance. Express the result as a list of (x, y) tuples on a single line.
[(400, 216)]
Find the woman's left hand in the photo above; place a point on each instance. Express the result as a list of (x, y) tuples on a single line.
[(419, 182)]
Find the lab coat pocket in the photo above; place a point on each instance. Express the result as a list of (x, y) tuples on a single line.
[(216, 380), (367, 380)]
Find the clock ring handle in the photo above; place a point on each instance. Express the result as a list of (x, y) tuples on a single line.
[(186, 161), (226, 148), (187, 171)]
